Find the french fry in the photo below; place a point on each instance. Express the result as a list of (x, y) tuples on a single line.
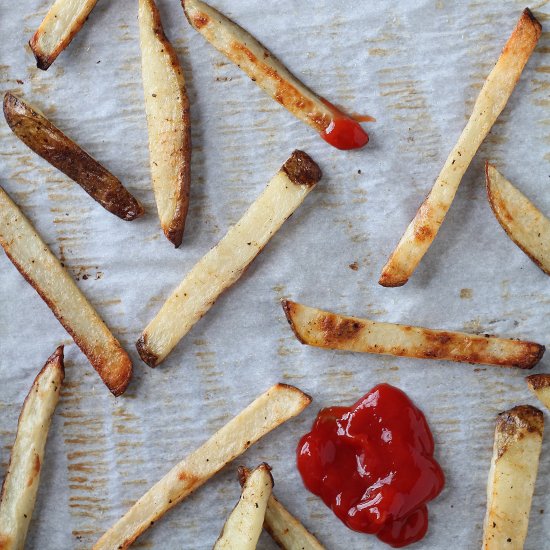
[(324, 329), (518, 441), (539, 384), (42, 270), (49, 142), (244, 525), (527, 226), (224, 264), (169, 125), (492, 99), (58, 28), (27, 454), (240, 47), (271, 409), (283, 527)]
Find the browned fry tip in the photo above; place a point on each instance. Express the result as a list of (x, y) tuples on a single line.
[(301, 169), (515, 422), (538, 381), (288, 308), (146, 355), (306, 399)]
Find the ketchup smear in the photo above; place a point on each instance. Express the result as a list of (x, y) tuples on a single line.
[(373, 465), (344, 132)]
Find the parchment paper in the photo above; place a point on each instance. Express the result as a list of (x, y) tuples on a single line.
[(417, 67)]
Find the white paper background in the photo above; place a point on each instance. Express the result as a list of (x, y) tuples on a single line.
[(417, 67)]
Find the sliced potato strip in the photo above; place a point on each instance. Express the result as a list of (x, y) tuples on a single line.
[(269, 410), (539, 384), (48, 141), (224, 264), (283, 527), (518, 442), (527, 226), (42, 270), (324, 329), (492, 99), (167, 108), (27, 454), (58, 28), (240, 47), (244, 525)]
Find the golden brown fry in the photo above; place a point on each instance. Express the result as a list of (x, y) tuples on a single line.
[(42, 270), (240, 47), (283, 527), (244, 525), (539, 384), (518, 442), (527, 226), (168, 121), (324, 329), (271, 409), (27, 454), (58, 28), (492, 99), (48, 141), (224, 264)]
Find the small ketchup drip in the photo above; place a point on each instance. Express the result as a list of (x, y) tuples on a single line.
[(373, 465), (344, 132)]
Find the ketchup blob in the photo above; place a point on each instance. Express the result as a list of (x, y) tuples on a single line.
[(373, 465), (344, 132)]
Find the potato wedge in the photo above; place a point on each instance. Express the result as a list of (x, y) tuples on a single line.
[(271, 409), (244, 525), (224, 264), (27, 454), (527, 226), (42, 270), (492, 99), (49, 142), (283, 527), (58, 28), (240, 47), (324, 329), (168, 121), (518, 442), (539, 384)]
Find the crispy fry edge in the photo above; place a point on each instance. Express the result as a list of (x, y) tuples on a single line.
[(43, 60), (174, 231), (15, 108), (493, 204), (344, 328), (57, 360), (304, 401), (117, 386), (394, 275)]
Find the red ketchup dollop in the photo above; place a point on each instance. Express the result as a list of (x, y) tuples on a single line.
[(344, 132), (373, 465)]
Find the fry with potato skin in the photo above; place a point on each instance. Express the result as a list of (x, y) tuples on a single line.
[(512, 476), (243, 527), (539, 384), (271, 409), (224, 264), (58, 28), (492, 99), (20, 486), (168, 121), (240, 47), (43, 271), (324, 329), (49, 142), (527, 226), (282, 526)]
